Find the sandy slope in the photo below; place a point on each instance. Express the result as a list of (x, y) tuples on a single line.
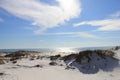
[(14, 72), (117, 53), (24, 70)]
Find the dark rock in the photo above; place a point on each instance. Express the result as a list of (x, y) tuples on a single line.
[(53, 63), (15, 54), (61, 64), (14, 58), (19, 54), (91, 61), (14, 62), (1, 74), (31, 59), (69, 67), (105, 52), (117, 47), (69, 57), (38, 66), (84, 55), (55, 57)]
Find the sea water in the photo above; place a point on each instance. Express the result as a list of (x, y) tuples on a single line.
[(52, 50)]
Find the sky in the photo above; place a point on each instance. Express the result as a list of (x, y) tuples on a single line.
[(59, 23)]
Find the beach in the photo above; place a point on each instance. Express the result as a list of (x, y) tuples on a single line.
[(53, 67)]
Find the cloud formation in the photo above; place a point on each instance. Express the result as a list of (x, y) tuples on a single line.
[(42, 14), (73, 34), (116, 14), (104, 25), (111, 24)]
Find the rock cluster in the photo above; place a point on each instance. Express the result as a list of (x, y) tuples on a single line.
[(91, 61)]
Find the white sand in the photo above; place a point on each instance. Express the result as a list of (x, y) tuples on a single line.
[(47, 72), (51, 72)]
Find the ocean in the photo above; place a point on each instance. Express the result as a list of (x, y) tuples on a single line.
[(52, 50)]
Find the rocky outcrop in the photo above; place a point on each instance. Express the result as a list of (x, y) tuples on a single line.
[(16, 54), (91, 61), (20, 54), (55, 57), (86, 56), (116, 48)]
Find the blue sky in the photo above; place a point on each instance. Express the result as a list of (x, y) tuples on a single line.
[(59, 23)]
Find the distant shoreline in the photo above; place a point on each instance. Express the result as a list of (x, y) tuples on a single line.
[(54, 49)]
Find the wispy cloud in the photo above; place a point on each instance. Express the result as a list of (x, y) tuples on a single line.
[(117, 14), (41, 14), (104, 25), (111, 24), (1, 20), (88, 43), (73, 34)]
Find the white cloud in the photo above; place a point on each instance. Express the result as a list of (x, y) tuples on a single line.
[(111, 24), (73, 34), (104, 25), (43, 15)]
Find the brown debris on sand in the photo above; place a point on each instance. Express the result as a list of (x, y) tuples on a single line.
[(2, 60)]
